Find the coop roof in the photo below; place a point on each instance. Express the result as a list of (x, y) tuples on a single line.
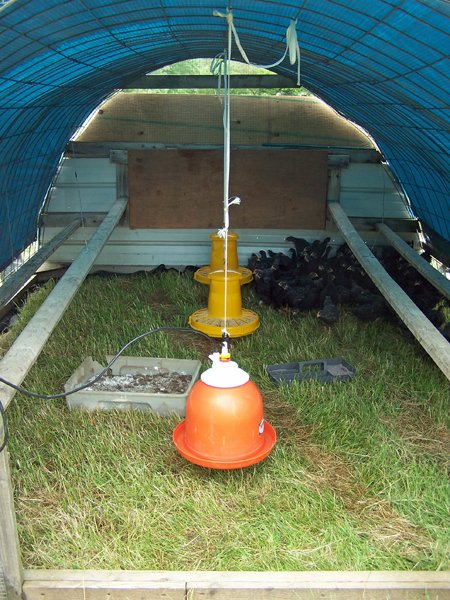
[(383, 64)]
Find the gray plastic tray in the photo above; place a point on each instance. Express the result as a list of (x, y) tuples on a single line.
[(163, 404), (326, 370)]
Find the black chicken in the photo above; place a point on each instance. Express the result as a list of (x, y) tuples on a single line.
[(307, 277), (329, 313), (299, 243), (370, 310)]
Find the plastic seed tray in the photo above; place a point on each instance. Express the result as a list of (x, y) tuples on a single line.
[(325, 370), (161, 403)]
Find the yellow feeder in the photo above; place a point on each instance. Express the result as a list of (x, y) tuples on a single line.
[(217, 259), (211, 320)]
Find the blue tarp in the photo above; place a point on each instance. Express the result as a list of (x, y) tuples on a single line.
[(384, 64)]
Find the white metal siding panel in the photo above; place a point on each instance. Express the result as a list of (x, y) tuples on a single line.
[(82, 199), (151, 247), (89, 185), (84, 185), (79, 171), (368, 191)]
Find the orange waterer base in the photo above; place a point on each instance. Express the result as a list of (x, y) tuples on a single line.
[(224, 427)]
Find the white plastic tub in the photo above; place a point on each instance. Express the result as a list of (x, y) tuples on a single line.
[(160, 403)]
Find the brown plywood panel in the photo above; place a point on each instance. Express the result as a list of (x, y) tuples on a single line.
[(279, 189), (184, 188), (175, 188)]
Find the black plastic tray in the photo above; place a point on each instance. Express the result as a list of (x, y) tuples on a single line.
[(326, 370)]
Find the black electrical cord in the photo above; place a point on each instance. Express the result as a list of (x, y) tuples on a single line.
[(90, 381), (4, 427)]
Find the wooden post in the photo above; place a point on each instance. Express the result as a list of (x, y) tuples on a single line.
[(15, 282), (334, 184), (16, 364), (422, 329), (425, 269)]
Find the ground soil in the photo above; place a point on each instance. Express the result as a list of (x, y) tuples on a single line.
[(162, 381)]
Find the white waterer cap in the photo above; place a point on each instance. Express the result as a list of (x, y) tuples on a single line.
[(224, 373)]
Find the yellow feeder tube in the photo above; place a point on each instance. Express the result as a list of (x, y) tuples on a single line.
[(211, 320), (216, 262)]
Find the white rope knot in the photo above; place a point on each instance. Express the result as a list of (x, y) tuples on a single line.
[(234, 200), (222, 232)]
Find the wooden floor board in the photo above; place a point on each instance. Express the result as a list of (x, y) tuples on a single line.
[(196, 585)]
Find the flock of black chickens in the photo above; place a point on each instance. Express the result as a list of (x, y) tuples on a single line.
[(311, 277)]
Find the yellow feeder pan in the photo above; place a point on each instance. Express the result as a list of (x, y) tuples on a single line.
[(211, 320), (217, 259)]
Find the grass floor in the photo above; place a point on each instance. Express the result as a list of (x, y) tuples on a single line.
[(358, 478)]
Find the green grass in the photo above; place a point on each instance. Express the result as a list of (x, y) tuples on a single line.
[(357, 480)]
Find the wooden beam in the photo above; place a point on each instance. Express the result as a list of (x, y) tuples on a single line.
[(404, 226), (422, 329), (120, 157), (441, 283), (174, 82), (194, 585), (334, 183), (337, 156), (10, 560), (16, 282), (60, 219), (18, 361)]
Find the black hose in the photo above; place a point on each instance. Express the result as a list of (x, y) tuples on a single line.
[(22, 390)]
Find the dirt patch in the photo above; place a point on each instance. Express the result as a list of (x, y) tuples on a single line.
[(201, 343), (326, 470), (421, 435), (161, 382), (160, 302), (159, 297)]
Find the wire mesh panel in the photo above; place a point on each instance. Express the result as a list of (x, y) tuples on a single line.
[(198, 120), (383, 65)]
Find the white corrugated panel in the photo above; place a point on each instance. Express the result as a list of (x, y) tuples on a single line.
[(368, 191), (84, 185)]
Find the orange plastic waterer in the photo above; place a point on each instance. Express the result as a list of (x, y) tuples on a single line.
[(224, 426)]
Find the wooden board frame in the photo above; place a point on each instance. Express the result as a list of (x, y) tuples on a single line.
[(151, 585), (21, 277), (16, 364), (198, 585)]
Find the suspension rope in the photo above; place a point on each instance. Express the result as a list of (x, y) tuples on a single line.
[(221, 66), (226, 174), (292, 45), (226, 170)]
